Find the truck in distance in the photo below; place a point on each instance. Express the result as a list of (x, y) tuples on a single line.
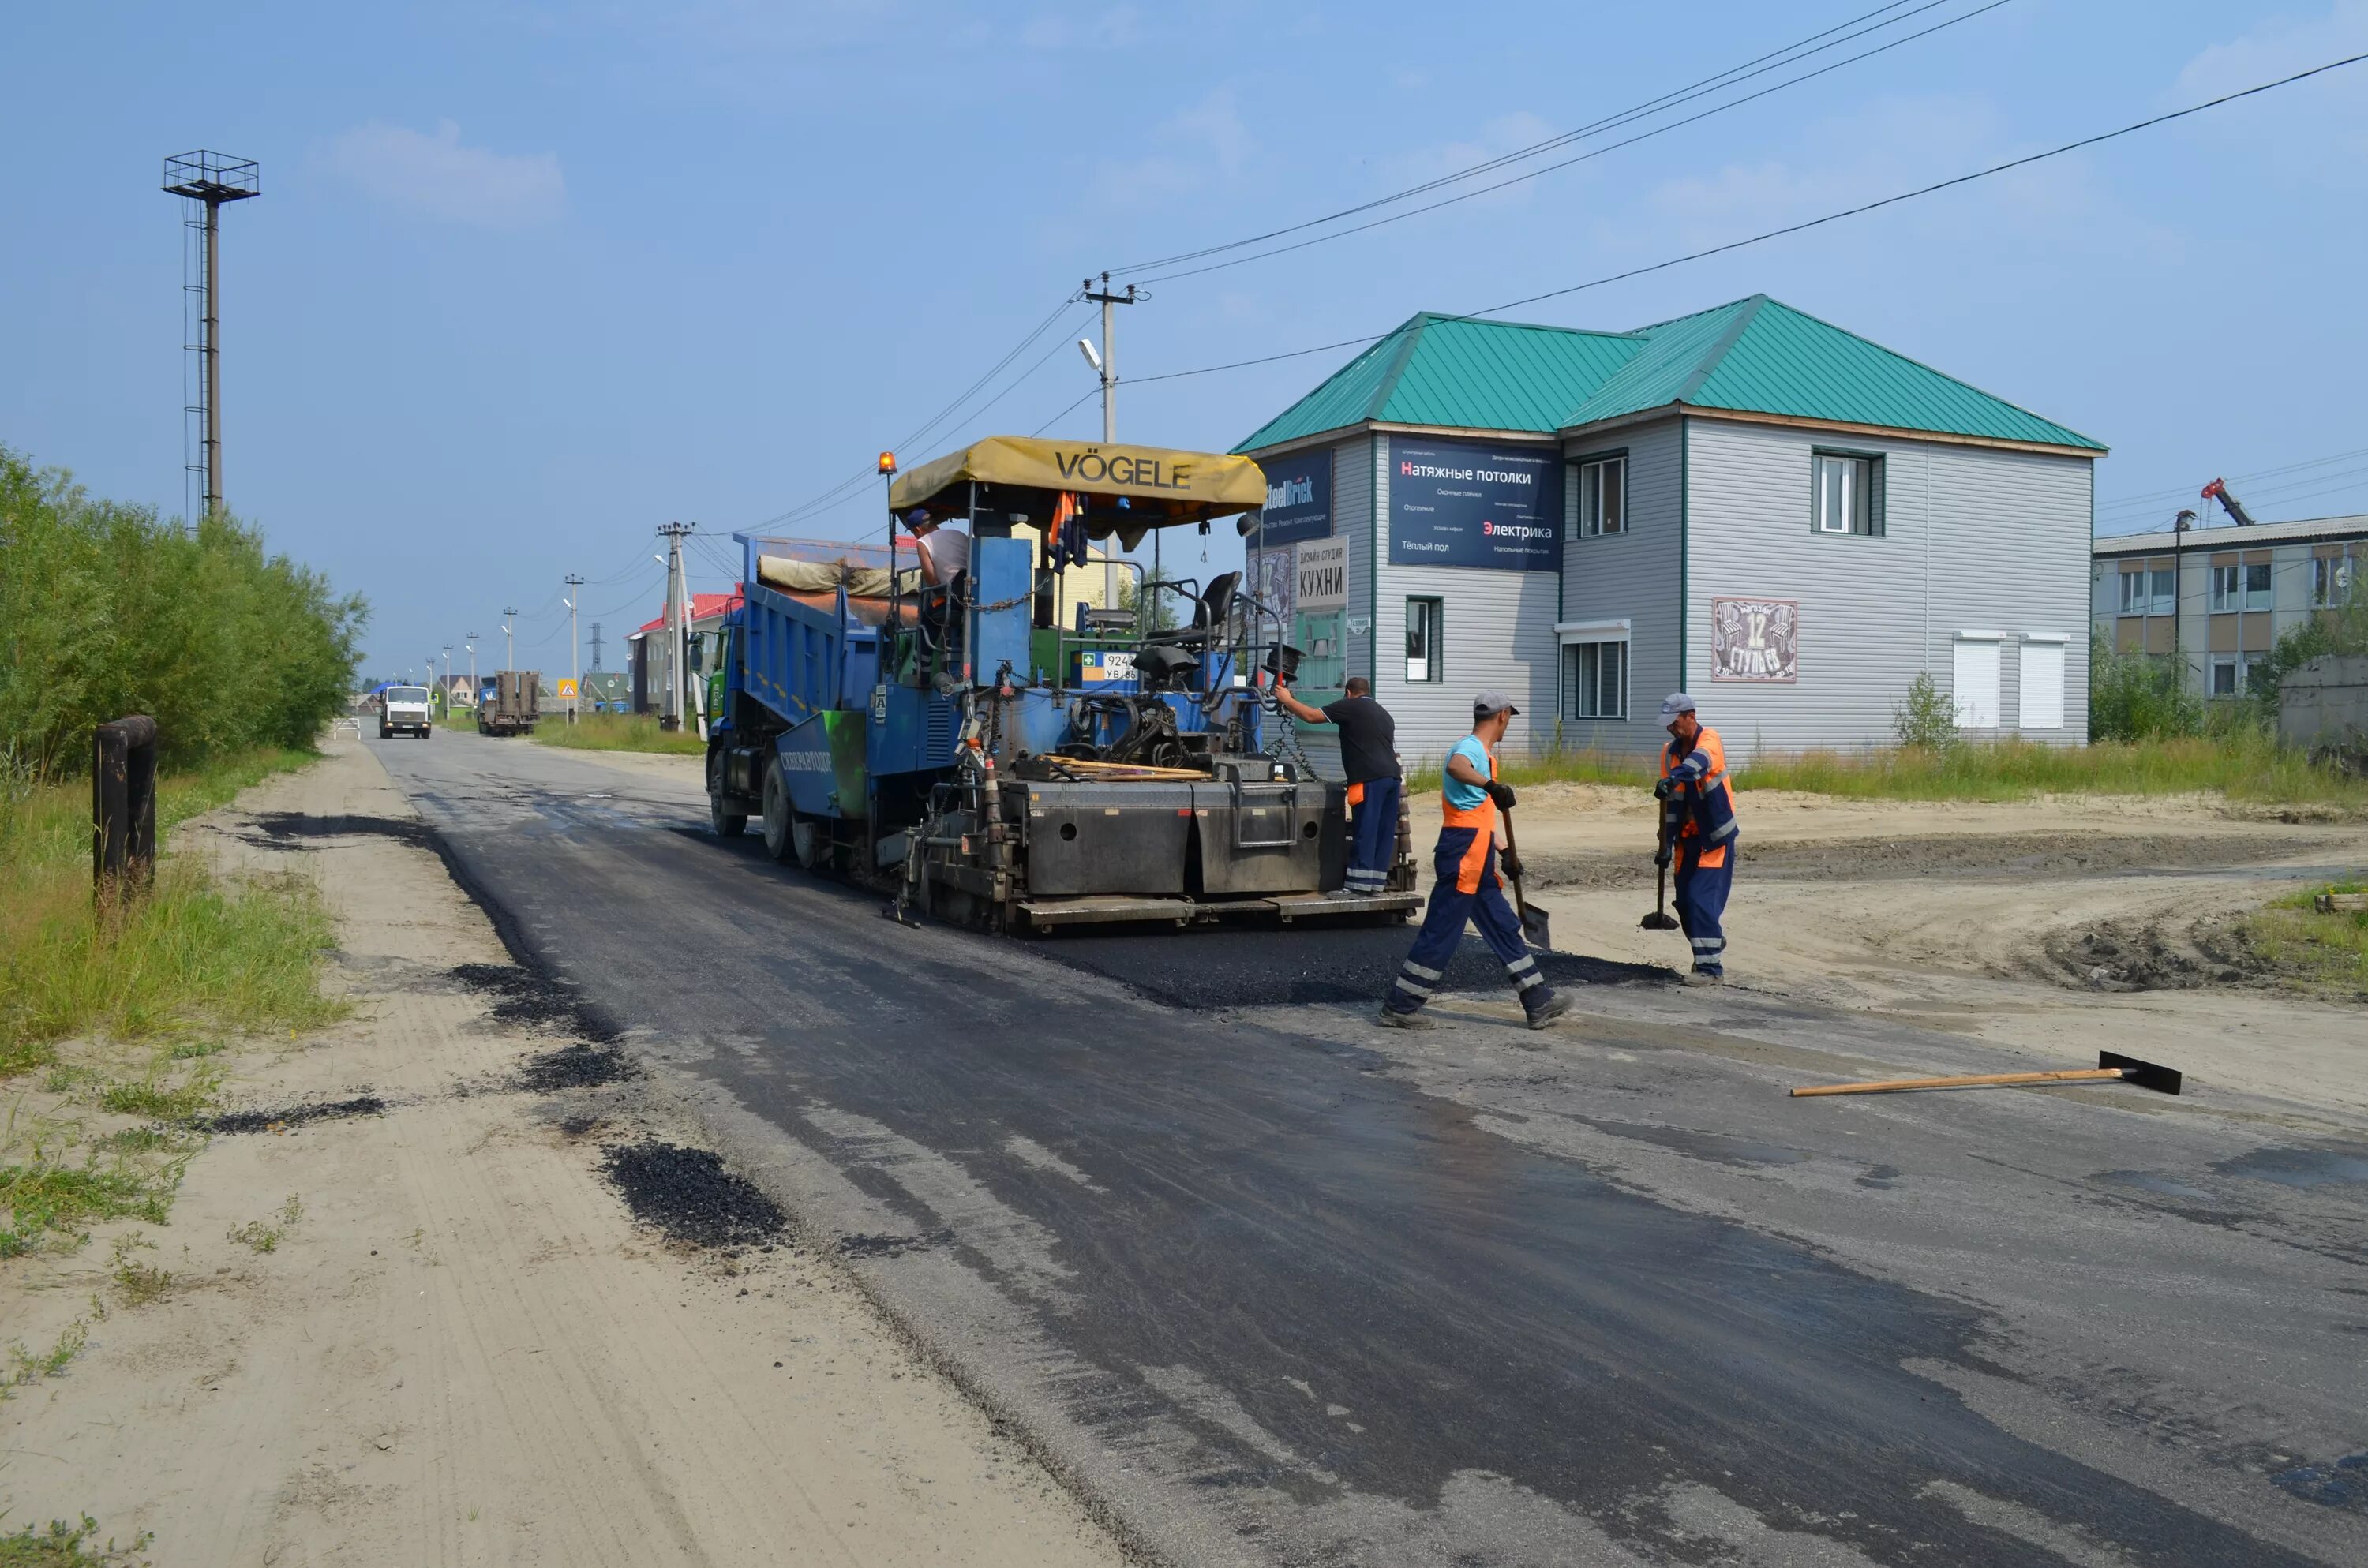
[(510, 704), (402, 708)]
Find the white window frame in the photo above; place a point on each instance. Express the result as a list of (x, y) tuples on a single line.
[(2330, 581), (1432, 673), (1862, 493), (2234, 663), (2134, 590), (2159, 602), (1602, 475), (2268, 592), (2228, 589)]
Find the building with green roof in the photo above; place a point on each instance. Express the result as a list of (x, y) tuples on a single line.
[(1781, 517)]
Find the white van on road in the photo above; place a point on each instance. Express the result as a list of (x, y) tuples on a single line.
[(402, 708)]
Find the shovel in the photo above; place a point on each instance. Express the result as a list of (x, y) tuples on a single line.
[(1534, 921), (2127, 1069), (1661, 919)]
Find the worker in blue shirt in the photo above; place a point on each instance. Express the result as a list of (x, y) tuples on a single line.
[(1698, 831), (1468, 890)]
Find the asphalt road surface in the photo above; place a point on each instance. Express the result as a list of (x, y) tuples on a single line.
[(1272, 1285)]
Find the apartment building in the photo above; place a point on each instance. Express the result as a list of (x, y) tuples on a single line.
[(2222, 596)]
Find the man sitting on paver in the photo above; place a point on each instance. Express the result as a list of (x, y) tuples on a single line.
[(1469, 889)]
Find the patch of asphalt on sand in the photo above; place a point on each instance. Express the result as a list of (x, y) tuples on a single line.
[(689, 1195), (1211, 969), (289, 1116), (2010, 855), (576, 1066), (466, 1349)]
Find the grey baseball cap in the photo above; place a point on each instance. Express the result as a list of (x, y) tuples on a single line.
[(1490, 703), (1676, 702)]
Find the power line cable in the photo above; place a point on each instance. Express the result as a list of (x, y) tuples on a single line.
[(2153, 498), (1805, 224), (1581, 158), (1679, 95)]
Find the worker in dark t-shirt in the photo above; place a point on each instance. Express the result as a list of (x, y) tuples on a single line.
[(1369, 754)]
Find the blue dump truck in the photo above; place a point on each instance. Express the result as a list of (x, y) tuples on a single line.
[(933, 720)]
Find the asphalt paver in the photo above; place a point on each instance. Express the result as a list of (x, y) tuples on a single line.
[(1272, 1286)]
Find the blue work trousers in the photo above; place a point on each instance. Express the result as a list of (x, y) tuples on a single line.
[(1373, 828), (1442, 930), (1702, 902)]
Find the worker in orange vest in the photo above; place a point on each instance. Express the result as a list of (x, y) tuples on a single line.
[(1697, 819), (1472, 841)]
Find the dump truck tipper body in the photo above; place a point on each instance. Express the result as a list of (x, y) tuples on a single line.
[(511, 703)]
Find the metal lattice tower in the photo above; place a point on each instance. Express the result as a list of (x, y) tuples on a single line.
[(206, 181), (596, 647)]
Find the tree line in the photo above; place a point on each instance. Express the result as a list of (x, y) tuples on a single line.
[(107, 610)]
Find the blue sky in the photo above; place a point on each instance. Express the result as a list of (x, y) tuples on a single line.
[(528, 280)]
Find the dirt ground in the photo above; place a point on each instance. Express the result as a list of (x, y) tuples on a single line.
[(2060, 926), (460, 1346)]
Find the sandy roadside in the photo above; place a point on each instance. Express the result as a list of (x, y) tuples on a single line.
[(465, 1349)]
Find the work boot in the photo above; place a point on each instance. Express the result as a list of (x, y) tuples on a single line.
[(1705, 977), (1394, 1020), (1546, 1012)]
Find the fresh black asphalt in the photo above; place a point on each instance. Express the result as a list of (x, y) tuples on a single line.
[(1275, 1287)]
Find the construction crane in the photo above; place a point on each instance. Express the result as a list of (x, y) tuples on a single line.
[(2218, 491)]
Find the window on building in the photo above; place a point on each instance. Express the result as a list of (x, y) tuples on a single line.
[(2256, 585), (2134, 592), (1850, 494), (1602, 498), (2165, 591), (1423, 645), (1595, 680), (1974, 680), (2331, 582), (2224, 675), (2227, 588)]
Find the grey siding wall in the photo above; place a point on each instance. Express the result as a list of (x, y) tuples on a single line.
[(1632, 575), (1973, 540), (1498, 632)]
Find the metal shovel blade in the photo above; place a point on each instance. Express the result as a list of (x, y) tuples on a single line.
[(1657, 921), (1535, 927)]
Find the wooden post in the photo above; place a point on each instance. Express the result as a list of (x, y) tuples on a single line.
[(122, 807)]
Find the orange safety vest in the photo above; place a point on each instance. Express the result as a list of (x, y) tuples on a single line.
[(1714, 791), (1483, 817)]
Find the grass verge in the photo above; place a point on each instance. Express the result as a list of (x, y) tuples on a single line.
[(617, 731), (2321, 952), (76, 1544), (2241, 766), (197, 951)]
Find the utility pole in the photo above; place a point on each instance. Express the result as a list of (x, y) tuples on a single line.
[(574, 582), (475, 696), (510, 636), (677, 619), (210, 179), (448, 680), (1107, 363)]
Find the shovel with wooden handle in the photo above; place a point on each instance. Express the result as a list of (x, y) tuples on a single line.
[(2128, 1069), (1661, 919), (1534, 921)]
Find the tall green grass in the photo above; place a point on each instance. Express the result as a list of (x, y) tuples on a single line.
[(197, 952), (107, 610), (617, 731), (2242, 764)]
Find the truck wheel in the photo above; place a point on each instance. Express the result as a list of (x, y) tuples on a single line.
[(776, 811), (726, 823), (807, 844), (386, 731)]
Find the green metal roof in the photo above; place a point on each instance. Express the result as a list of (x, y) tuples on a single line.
[(1454, 371), (1754, 356)]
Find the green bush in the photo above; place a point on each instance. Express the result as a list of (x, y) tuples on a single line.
[(2138, 697), (1925, 720), (106, 609)]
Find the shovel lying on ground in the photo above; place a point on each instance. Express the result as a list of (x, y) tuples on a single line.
[(1534, 921), (1661, 919), (2129, 1069)]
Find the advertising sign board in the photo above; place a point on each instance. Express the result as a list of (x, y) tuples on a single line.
[(1274, 580), (1323, 575), (1298, 496), (1463, 504), (1755, 640)]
